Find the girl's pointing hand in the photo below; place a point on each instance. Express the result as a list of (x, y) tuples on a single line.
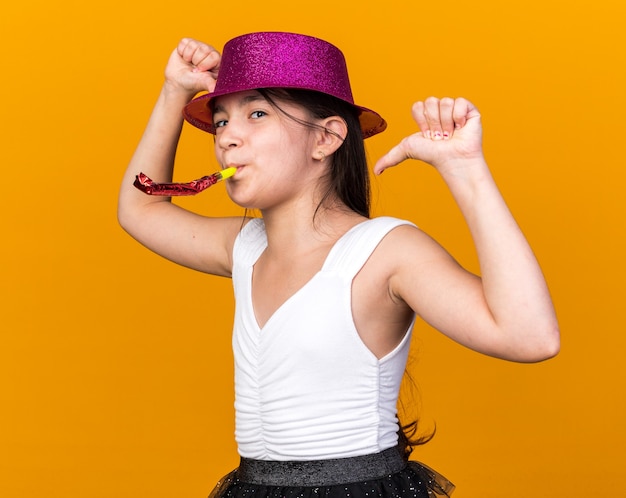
[(450, 131)]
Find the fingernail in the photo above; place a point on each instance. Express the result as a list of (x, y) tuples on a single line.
[(446, 135), (437, 135)]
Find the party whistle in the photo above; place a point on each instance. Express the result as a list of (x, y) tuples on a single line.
[(150, 187)]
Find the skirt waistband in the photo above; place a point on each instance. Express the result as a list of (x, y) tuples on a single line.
[(321, 472)]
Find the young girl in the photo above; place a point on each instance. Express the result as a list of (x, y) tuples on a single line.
[(327, 297)]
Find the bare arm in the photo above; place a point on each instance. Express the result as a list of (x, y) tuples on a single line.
[(182, 236), (508, 312)]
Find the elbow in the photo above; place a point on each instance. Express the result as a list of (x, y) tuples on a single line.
[(548, 350), (122, 217), (127, 212), (555, 345), (551, 343), (546, 346), (127, 217)]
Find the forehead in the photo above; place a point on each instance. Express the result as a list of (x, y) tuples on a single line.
[(237, 99)]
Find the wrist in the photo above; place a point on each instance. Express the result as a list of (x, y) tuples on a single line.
[(469, 170), (174, 92)]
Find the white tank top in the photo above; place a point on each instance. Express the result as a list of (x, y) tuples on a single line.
[(306, 386)]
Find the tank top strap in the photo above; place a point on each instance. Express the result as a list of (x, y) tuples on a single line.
[(354, 248), (250, 242)]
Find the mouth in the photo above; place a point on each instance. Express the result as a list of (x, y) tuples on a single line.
[(237, 167), (227, 173)]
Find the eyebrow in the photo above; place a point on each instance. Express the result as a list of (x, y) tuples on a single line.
[(244, 101)]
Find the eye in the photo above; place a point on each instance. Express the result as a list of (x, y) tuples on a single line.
[(220, 123), (258, 114)]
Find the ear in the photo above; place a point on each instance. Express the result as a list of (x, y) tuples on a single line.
[(330, 136)]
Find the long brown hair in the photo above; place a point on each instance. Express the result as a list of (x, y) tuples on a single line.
[(410, 434)]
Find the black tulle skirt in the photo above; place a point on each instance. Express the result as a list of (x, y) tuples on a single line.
[(413, 480)]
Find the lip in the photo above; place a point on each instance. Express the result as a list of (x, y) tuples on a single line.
[(238, 166)]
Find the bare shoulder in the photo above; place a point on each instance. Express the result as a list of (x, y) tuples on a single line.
[(408, 245), (414, 264)]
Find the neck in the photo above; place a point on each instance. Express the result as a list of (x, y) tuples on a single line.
[(292, 230)]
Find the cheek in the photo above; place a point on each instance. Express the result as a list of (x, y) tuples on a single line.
[(217, 153)]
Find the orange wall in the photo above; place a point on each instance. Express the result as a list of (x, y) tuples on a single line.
[(115, 367)]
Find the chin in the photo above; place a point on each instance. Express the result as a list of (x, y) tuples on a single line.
[(248, 199), (243, 202)]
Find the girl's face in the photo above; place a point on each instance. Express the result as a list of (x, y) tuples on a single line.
[(272, 153)]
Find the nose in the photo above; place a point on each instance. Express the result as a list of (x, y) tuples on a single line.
[(229, 136)]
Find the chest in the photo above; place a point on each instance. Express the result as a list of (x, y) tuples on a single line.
[(274, 282)]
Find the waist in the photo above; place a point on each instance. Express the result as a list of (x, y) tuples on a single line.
[(321, 472)]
